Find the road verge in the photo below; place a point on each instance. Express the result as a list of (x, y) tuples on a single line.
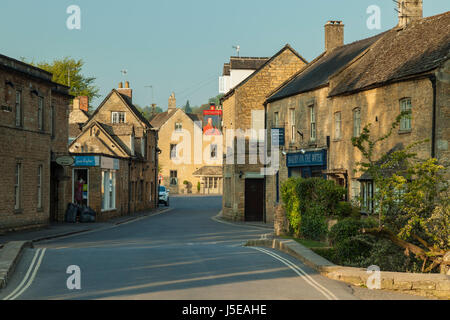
[(426, 285)]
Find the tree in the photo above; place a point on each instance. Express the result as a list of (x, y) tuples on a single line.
[(68, 71), (411, 199), (147, 111), (187, 107)]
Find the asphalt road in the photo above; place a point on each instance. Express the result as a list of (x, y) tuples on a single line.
[(181, 254)]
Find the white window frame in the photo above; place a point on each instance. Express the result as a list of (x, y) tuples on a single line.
[(109, 190), (406, 121), (178, 127), (313, 126), (173, 151), (116, 117), (292, 124)]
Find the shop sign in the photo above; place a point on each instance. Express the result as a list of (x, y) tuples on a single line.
[(109, 163), (87, 161), (65, 161), (311, 158)]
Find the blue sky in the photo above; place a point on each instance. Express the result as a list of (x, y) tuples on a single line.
[(179, 45)]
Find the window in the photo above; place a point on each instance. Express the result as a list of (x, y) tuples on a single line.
[(356, 122), (405, 121), (173, 151), (52, 120), (337, 125), (143, 143), (17, 186), (292, 123), (367, 196), (178, 127), (118, 117), (312, 111), (132, 144), (276, 119), (173, 177), (18, 108), (39, 187), (40, 113), (108, 190), (213, 151)]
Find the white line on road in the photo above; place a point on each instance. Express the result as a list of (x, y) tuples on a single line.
[(327, 293), (26, 282)]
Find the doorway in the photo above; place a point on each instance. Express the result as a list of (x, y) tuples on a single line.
[(80, 187), (254, 200), (56, 175)]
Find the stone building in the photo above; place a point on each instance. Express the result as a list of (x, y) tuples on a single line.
[(368, 81), (33, 134), (189, 161), (116, 158), (243, 109), (78, 116)]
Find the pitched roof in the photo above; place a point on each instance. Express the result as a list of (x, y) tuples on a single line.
[(247, 63), (318, 72), (163, 117), (128, 102), (208, 171), (420, 47), (74, 129), (286, 47)]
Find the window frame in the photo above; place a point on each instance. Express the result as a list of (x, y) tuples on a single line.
[(118, 114), (178, 126), (338, 125), (19, 109), (312, 123), (173, 175), (173, 151), (40, 118), (406, 106), (292, 124), (356, 120)]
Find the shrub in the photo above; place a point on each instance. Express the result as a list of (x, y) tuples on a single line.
[(291, 203), (345, 209), (348, 228), (314, 225)]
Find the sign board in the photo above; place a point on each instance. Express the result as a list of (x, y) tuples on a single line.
[(86, 161), (65, 161), (312, 158), (109, 163), (212, 121), (278, 135)]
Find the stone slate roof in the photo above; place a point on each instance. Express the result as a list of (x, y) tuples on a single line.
[(208, 171), (247, 63), (420, 47), (286, 47), (75, 129), (162, 118), (318, 72)]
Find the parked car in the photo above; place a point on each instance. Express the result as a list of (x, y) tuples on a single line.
[(164, 195)]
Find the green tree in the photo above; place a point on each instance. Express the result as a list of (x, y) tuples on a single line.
[(411, 198), (68, 71)]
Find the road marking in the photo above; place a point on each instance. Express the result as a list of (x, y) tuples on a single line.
[(237, 225), (327, 293), (26, 275), (27, 281)]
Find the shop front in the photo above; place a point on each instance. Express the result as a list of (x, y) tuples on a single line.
[(97, 182), (309, 164)]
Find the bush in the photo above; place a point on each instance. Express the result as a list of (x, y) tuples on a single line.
[(348, 228), (345, 209), (314, 225), (291, 203)]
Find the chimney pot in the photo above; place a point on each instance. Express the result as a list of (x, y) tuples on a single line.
[(127, 84), (120, 85), (127, 91)]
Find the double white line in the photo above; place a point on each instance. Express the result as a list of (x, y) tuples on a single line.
[(327, 293), (29, 276)]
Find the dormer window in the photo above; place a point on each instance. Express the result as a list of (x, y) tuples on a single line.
[(117, 117)]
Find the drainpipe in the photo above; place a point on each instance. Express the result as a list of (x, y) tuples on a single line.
[(432, 78), (129, 185)]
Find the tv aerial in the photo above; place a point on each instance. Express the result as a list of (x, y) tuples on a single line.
[(238, 48)]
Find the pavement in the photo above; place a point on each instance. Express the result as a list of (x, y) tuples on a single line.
[(186, 253)]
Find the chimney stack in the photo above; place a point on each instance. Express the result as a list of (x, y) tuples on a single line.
[(334, 35), (409, 11), (127, 91), (81, 103), (172, 102)]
